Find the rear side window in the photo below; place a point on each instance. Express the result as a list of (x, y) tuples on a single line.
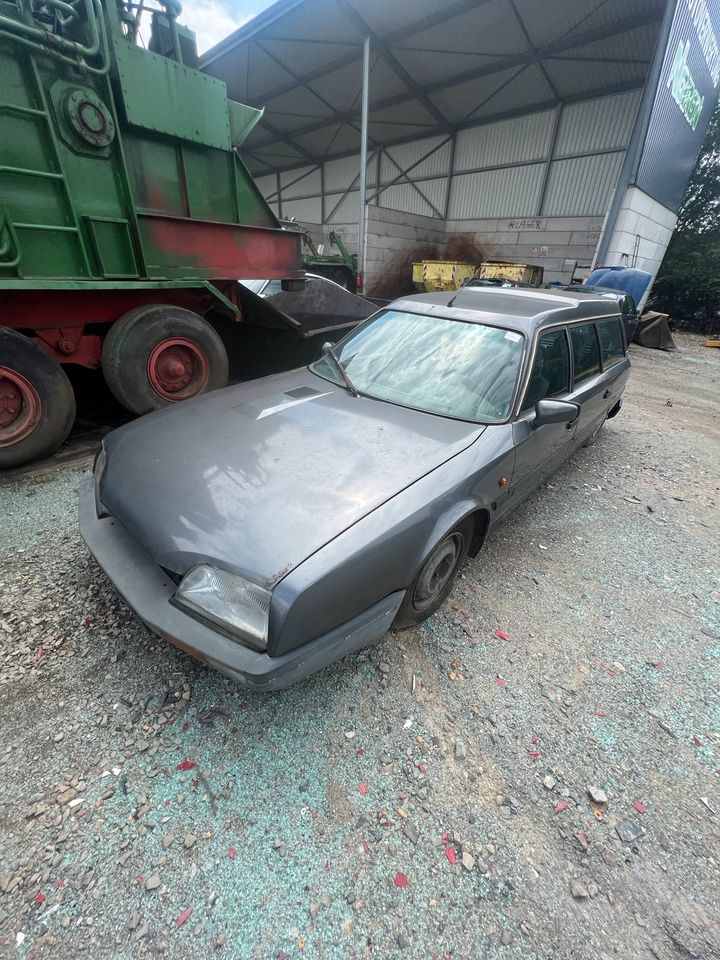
[(586, 352), (612, 345), (551, 371)]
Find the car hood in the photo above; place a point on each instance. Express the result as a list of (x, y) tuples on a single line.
[(257, 477)]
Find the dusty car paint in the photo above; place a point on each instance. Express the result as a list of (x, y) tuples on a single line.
[(333, 500)]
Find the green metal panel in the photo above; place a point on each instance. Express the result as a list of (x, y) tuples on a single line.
[(117, 162), (167, 97), (112, 246), (156, 176), (243, 120), (210, 189)]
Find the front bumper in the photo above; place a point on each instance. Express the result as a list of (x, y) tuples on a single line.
[(147, 589)]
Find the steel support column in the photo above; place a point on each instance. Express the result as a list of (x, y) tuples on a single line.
[(362, 227)]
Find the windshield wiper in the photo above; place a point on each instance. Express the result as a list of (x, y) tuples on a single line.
[(328, 348)]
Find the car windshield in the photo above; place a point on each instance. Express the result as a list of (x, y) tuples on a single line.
[(450, 367)]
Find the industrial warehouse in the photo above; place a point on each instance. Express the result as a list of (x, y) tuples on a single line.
[(359, 477), (541, 129)]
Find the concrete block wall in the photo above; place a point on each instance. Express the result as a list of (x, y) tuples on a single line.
[(389, 232), (642, 233), (563, 246)]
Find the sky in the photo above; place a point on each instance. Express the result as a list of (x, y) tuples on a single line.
[(213, 20)]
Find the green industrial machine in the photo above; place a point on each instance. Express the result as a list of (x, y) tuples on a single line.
[(341, 268), (127, 215)]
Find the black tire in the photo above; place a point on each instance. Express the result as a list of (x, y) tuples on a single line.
[(130, 355), (46, 411), (423, 597)]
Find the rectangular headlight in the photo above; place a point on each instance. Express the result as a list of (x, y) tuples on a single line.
[(233, 603)]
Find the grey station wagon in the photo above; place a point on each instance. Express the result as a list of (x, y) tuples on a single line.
[(271, 527)]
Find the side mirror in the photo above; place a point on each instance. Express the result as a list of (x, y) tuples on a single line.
[(555, 411)]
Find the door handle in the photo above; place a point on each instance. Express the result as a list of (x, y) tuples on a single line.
[(606, 395)]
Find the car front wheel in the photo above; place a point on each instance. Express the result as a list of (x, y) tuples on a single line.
[(435, 578)]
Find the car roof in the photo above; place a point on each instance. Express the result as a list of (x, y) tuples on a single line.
[(512, 307), (590, 288)]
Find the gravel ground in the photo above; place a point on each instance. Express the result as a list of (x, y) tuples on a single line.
[(534, 773)]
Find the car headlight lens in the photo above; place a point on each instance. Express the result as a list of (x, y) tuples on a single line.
[(238, 605)]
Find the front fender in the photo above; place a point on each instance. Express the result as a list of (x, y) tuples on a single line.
[(383, 552)]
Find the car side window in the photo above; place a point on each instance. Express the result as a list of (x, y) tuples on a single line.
[(586, 351), (612, 345), (551, 370)]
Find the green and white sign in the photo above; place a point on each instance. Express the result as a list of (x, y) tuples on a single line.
[(682, 86)]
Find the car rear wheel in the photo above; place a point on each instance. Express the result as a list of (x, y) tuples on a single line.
[(157, 355), (37, 403), (435, 578)]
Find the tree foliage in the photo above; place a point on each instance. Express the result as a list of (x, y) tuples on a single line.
[(688, 283)]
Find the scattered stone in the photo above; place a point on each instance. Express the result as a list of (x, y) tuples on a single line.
[(384, 667), (593, 890), (314, 910), (402, 941), (468, 861), (67, 795), (411, 832), (629, 831), (460, 750), (597, 795), (153, 882), (168, 840), (219, 941), (277, 844), (549, 781), (578, 890), (506, 937), (189, 840)]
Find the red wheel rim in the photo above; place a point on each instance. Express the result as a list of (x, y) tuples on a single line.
[(178, 369), (20, 407)]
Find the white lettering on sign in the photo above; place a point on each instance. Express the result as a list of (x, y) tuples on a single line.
[(706, 35), (682, 86)]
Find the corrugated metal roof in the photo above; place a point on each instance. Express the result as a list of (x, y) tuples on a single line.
[(437, 65), (509, 192), (509, 141), (300, 183), (408, 154), (340, 173), (601, 124), (405, 197), (581, 187), (308, 210), (346, 210)]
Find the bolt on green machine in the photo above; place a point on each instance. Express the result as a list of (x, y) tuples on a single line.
[(126, 214)]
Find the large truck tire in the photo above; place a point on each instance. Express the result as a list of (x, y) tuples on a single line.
[(160, 354), (37, 403)]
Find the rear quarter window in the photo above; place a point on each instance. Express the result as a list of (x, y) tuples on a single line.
[(612, 344)]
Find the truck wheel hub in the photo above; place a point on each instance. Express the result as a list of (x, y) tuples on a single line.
[(20, 407), (178, 369)]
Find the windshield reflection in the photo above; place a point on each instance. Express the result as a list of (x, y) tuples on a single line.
[(450, 367)]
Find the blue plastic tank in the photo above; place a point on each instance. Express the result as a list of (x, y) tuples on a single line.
[(626, 279)]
